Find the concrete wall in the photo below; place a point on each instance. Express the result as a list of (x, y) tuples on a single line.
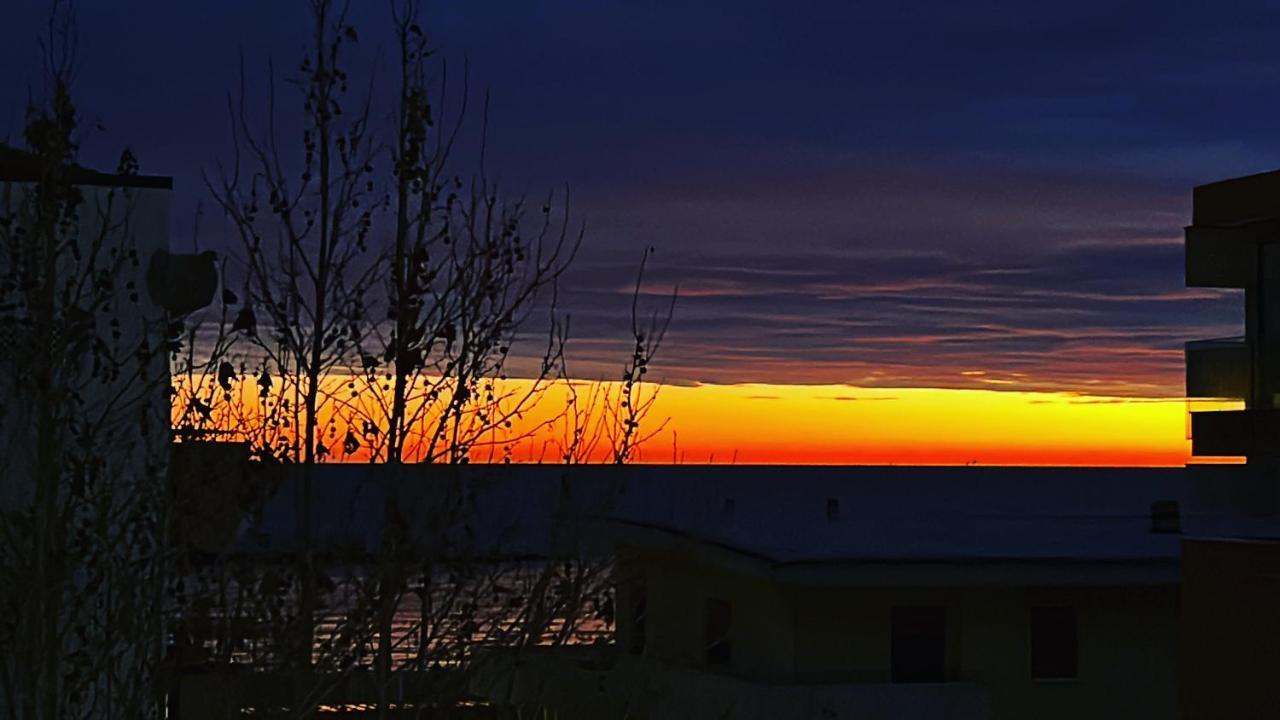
[(121, 220), (1127, 637), (101, 418), (1230, 629), (1127, 644), (676, 615)]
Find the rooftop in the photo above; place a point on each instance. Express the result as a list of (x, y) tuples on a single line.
[(21, 166), (800, 520)]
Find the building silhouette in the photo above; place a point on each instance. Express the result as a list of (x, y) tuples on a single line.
[(776, 592), (84, 429), (879, 592), (1230, 632)]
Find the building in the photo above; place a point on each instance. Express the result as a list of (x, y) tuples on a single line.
[(887, 593), (120, 222), (778, 592), (86, 291), (1234, 242), (1230, 637)]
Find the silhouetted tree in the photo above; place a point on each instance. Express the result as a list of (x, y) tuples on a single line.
[(315, 360), (467, 267), (606, 420), (304, 229)]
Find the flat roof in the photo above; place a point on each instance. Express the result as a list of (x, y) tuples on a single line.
[(21, 166), (916, 514), (780, 515)]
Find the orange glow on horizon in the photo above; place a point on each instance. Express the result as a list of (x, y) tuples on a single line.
[(849, 425), (825, 424)]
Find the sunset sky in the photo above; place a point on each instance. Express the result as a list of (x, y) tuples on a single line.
[(943, 234)]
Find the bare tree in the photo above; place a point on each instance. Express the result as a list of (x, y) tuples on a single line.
[(467, 268), (445, 365), (605, 421), (304, 224), (304, 228)]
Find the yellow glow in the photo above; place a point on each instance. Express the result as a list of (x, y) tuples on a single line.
[(911, 426), (840, 424)]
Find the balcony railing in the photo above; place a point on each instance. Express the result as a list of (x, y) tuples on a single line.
[(1235, 433), (1226, 256), (1218, 368)]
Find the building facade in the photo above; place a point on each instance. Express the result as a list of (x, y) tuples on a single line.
[(884, 593), (1229, 631)]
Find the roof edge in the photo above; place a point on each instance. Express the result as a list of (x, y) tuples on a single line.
[(20, 166)]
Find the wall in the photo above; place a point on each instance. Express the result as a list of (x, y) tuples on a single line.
[(1127, 644), (120, 219), (1127, 637), (676, 613), (1230, 629)]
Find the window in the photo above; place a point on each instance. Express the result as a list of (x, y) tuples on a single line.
[(918, 642), (639, 609), (719, 622), (1166, 517), (833, 509), (726, 510), (1054, 653)]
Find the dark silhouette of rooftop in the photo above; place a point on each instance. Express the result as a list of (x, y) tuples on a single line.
[(18, 165)]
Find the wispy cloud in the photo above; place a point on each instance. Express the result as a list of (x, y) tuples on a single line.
[(1089, 317)]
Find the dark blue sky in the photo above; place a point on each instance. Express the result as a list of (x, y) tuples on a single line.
[(886, 193)]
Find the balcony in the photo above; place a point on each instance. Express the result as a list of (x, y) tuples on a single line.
[(1218, 369), (1235, 433), (1226, 256)]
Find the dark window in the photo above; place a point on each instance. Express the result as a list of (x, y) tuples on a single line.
[(719, 623), (1166, 517), (918, 644), (833, 509), (1054, 652), (726, 510), (639, 609)]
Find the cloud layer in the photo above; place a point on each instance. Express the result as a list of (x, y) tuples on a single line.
[(985, 194), (1089, 319)]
